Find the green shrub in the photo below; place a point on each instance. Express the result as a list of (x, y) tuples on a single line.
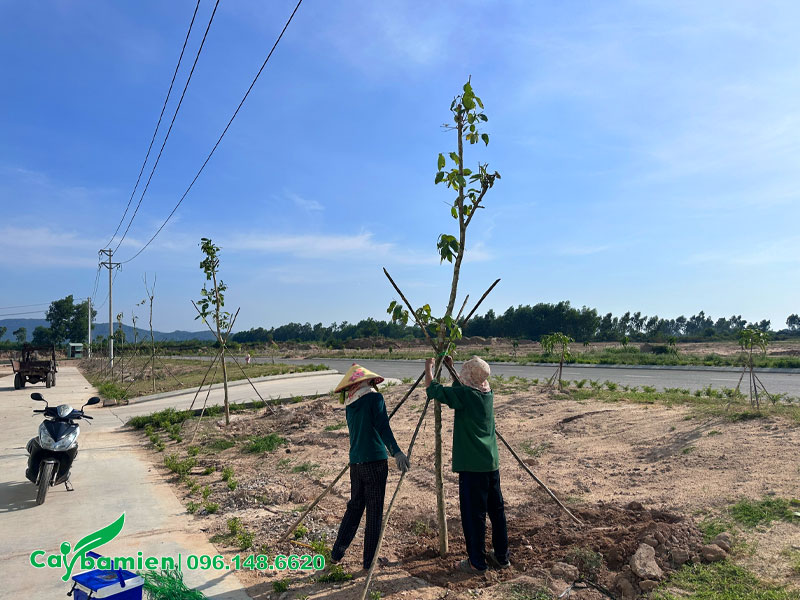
[(280, 586), (227, 473), (211, 507), (335, 574), (264, 443)]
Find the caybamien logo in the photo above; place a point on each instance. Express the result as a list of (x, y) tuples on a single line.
[(40, 559)]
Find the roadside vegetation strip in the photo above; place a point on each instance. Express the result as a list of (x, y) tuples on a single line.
[(175, 374), (719, 581), (651, 355)]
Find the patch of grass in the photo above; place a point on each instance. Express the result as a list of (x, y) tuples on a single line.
[(232, 483), (112, 391), (521, 591), (720, 581), (193, 450), (714, 432), (320, 546), (300, 532), (712, 527), (763, 512), (211, 507), (337, 426), (280, 586), (168, 585), (688, 449), (419, 527), (177, 466), (192, 507), (375, 595), (611, 386), (304, 467), (206, 492), (335, 574), (264, 443), (587, 560), (164, 419), (227, 473), (208, 470), (219, 444), (535, 451), (283, 464)]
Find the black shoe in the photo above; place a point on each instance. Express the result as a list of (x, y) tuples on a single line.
[(491, 558)]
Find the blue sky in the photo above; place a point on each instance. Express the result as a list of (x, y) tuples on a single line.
[(649, 154)]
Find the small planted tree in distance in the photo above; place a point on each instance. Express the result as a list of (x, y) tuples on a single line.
[(557, 342), (211, 304), (752, 340), (470, 188)]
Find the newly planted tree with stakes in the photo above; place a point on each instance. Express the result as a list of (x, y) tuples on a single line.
[(752, 340), (470, 188), (559, 343), (211, 305)]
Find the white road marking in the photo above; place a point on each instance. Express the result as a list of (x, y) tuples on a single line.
[(641, 376)]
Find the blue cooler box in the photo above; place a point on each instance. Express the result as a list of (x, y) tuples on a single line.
[(118, 585)]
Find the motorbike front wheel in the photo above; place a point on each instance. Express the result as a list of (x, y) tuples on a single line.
[(45, 477)]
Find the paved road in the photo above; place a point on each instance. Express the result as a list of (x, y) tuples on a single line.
[(111, 475), (783, 383)]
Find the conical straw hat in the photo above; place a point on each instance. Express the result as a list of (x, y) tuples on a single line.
[(357, 374)]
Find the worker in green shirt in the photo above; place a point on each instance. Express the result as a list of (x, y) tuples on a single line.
[(370, 436), (476, 461)]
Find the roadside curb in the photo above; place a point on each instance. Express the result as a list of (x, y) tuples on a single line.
[(238, 382)]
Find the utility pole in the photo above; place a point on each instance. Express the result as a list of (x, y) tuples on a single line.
[(89, 352), (110, 266)]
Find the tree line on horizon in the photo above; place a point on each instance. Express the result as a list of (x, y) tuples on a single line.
[(68, 322), (533, 322)]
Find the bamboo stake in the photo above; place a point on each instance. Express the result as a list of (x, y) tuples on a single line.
[(536, 479), (202, 412), (410, 308), (202, 383), (486, 293), (268, 405), (391, 505), (344, 470), (463, 306)]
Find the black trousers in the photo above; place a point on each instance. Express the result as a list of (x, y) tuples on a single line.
[(367, 490), (479, 494)]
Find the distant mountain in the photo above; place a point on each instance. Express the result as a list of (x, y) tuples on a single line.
[(102, 329)]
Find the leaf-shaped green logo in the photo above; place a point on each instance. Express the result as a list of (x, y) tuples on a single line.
[(92, 541)]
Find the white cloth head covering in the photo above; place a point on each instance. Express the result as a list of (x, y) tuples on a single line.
[(475, 373)]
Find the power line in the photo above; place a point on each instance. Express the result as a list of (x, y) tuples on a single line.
[(96, 281), (30, 312), (224, 131), (172, 122), (24, 305), (150, 147)]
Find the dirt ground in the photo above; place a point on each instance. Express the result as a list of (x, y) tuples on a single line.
[(631, 472)]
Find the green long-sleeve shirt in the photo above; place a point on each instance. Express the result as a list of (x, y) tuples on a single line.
[(474, 439), (370, 434)]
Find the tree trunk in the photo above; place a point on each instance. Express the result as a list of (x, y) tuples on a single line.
[(441, 514), (222, 352)]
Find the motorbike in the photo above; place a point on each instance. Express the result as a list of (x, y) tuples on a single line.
[(52, 452)]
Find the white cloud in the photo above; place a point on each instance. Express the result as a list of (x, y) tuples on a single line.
[(305, 203), (46, 247), (316, 246)]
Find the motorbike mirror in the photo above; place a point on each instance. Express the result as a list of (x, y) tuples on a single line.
[(37, 396), (93, 400)]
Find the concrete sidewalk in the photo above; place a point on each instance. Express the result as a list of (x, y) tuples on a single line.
[(111, 475)]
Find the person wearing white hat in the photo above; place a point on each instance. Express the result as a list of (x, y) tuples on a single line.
[(370, 437), (476, 461)]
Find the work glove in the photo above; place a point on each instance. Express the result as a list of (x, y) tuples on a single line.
[(402, 461)]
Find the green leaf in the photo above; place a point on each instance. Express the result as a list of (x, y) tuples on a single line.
[(439, 177), (454, 158), (94, 540), (441, 162), (485, 138), (454, 212)]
